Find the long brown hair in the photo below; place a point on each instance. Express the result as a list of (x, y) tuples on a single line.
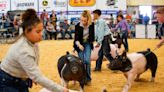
[(87, 14), (29, 21)]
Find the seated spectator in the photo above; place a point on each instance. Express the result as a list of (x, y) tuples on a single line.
[(17, 23), (53, 18), (44, 34), (51, 30), (65, 30), (61, 19), (72, 27)]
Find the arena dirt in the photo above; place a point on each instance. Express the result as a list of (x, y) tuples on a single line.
[(50, 51)]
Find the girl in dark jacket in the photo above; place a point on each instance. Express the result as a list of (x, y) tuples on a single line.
[(83, 41)]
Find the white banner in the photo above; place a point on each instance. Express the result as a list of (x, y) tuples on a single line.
[(45, 5), (140, 31), (113, 5), (23, 4), (143, 32), (4, 6), (60, 5), (151, 31)]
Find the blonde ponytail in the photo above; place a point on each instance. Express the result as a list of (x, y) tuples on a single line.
[(87, 14)]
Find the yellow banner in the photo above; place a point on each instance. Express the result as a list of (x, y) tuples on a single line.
[(82, 3)]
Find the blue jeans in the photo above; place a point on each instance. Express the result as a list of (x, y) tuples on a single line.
[(44, 34), (125, 40), (63, 33), (85, 56), (11, 84)]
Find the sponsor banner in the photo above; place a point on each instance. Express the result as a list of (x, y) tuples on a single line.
[(82, 3), (104, 12), (45, 5), (111, 4), (140, 31), (74, 5), (81, 7), (151, 31), (4, 5), (23, 4), (70, 7), (60, 5)]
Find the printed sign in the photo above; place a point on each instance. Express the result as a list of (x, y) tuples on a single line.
[(45, 5), (23, 4), (82, 3), (111, 5), (4, 5), (60, 5)]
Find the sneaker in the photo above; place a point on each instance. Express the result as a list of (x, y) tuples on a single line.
[(88, 82), (96, 70)]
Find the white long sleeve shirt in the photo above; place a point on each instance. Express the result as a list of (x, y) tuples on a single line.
[(22, 61)]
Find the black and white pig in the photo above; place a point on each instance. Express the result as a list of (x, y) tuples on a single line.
[(134, 64), (71, 68), (114, 49)]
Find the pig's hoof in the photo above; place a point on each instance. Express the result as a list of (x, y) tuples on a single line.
[(125, 89), (137, 79), (152, 80)]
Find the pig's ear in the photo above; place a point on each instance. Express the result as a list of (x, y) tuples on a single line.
[(67, 53), (68, 58), (124, 56)]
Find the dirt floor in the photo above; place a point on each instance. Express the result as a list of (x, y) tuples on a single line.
[(50, 51)]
